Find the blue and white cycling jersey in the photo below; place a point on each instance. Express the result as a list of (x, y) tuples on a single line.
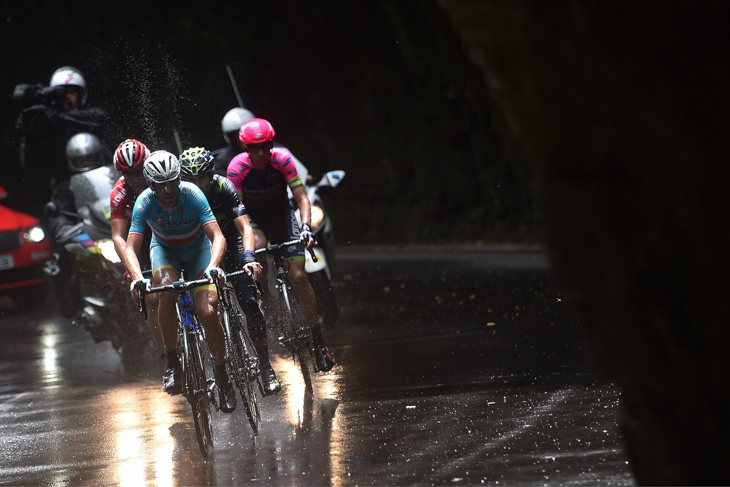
[(181, 228)]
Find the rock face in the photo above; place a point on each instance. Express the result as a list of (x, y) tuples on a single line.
[(622, 107)]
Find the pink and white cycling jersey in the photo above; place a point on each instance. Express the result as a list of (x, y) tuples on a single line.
[(260, 190)]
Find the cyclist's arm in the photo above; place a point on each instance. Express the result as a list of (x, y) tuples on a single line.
[(119, 234), (133, 246), (244, 228), (300, 196), (213, 231)]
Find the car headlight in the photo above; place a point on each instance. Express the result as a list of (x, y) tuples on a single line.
[(317, 216), (106, 247), (34, 234)]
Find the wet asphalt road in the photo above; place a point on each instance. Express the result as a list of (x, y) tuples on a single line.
[(455, 368)]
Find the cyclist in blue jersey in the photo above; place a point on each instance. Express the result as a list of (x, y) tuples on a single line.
[(197, 166), (184, 232)]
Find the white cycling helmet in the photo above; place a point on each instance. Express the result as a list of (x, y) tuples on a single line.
[(70, 76), (83, 152), (161, 166), (232, 121)]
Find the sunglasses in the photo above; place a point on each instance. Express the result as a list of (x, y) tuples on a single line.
[(258, 147)]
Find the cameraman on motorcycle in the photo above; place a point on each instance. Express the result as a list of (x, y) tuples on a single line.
[(84, 152), (261, 176), (184, 231), (50, 117), (129, 159), (196, 166)]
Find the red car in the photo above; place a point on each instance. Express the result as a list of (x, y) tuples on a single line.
[(24, 250)]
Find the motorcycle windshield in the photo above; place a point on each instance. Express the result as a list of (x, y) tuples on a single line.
[(92, 190)]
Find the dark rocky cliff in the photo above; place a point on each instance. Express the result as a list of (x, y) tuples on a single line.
[(622, 108)]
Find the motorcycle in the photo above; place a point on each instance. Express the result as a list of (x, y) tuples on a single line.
[(108, 312), (320, 273)]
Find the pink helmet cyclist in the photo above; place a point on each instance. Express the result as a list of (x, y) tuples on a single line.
[(130, 156), (256, 131)]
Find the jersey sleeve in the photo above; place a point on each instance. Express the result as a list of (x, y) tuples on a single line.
[(139, 215), (199, 203), (118, 201), (284, 163), (230, 201)]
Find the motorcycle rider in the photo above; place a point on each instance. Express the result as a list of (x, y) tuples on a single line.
[(129, 158), (196, 166), (184, 231), (49, 118), (230, 125), (84, 152), (261, 175)]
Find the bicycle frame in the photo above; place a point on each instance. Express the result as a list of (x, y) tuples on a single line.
[(192, 352)]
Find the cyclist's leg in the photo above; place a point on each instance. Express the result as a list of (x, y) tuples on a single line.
[(306, 297), (152, 302), (206, 307), (166, 270), (246, 294)]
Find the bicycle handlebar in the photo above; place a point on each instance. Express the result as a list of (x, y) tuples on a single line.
[(274, 247)]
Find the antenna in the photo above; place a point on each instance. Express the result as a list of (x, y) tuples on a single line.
[(235, 87)]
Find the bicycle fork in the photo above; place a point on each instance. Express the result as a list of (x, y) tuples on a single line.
[(185, 315)]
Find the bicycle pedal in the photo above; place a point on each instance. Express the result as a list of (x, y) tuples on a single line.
[(213, 393)]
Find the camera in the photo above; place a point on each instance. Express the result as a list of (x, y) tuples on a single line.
[(52, 94)]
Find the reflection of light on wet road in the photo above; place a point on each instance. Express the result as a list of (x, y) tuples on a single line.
[(293, 387), (141, 432), (49, 339)]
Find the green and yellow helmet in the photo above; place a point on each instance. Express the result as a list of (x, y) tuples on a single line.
[(196, 160)]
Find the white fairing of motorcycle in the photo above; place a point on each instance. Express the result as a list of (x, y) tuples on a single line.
[(311, 266)]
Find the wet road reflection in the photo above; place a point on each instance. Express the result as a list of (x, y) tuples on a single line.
[(453, 369)]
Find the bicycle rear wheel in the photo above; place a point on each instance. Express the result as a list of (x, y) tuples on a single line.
[(296, 332), (243, 360), (196, 389)]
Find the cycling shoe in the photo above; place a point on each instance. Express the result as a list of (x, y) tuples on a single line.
[(269, 380), (323, 360), (226, 395), (172, 380)]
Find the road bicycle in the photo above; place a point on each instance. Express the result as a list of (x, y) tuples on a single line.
[(193, 354), (296, 335), (241, 358), (242, 361)]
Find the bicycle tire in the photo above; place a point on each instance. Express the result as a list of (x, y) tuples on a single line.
[(196, 390), (298, 343), (239, 358)]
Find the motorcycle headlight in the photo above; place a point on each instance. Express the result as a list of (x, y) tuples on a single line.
[(317, 216), (106, 247), (34, 234)]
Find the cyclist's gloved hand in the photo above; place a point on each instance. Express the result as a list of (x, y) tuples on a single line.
[(137, 285), (306, 235), (250, 264), (216, 272)]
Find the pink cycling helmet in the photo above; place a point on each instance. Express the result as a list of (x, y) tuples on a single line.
[(130, 155), (256, 131)]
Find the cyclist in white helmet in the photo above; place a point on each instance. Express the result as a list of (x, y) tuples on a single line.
[(185, 232)]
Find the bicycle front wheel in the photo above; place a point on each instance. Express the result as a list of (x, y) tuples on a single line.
[(196, 390), (297, 334), (243, 360)]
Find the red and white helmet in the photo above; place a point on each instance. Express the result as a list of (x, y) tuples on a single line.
[(130, 156), (256, 131)]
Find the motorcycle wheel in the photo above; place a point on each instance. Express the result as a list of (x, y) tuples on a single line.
[(325, 296)]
